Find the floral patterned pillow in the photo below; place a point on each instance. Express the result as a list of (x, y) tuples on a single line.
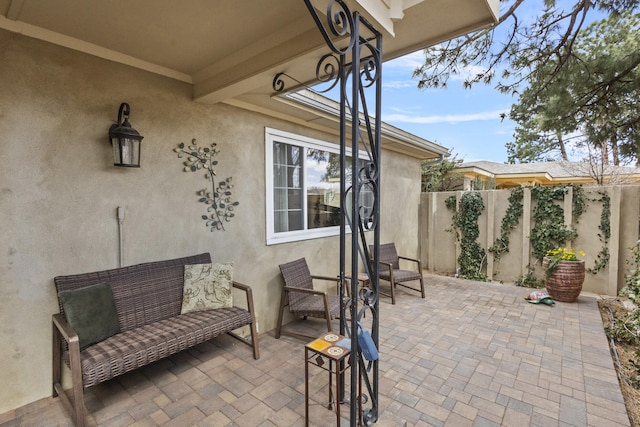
[(207, 287)]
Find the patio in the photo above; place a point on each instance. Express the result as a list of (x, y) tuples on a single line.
[(470, 354)]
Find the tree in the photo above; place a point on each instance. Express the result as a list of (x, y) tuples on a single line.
[(602, 172), (520, 47), (531, 147), (609, 83), (534, 53), (592, 98), (438, 175)]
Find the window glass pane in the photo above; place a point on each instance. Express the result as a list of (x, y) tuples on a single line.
[(323, 188), (280, 221), (304, 188), (295, 220), (287, 187)]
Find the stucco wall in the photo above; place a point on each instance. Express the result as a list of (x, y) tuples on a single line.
[(59, 193), (400, 195)]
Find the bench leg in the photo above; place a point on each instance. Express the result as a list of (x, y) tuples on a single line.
[(76, 407), (56, 359), (79, 412), (254, 341)]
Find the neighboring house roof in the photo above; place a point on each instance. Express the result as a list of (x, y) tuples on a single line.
[(546, 173)]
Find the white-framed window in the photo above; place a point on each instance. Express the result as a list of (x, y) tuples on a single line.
[(302, 187)]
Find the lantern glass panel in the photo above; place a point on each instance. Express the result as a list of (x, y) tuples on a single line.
[(126, 152)]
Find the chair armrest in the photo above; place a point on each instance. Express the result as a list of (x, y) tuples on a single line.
[(417, 261), (331, 279), (249, 292), (304, 290), (61, 328), (253, 343), (386, 264), (242, 286), (67, 332)]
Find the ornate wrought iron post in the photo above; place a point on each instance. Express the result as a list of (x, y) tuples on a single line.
[(354, 66)]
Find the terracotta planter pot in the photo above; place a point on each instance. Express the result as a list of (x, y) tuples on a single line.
[(565, 283)]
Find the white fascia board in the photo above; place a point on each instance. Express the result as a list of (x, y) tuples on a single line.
[(331, 109)]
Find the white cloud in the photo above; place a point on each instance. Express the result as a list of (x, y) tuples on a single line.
[(398, 84), (404, 110), (410, 62), (450, 118)]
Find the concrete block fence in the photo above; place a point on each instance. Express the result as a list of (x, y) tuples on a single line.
[(439, 250)]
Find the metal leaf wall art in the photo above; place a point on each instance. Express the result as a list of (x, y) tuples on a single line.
[(220, 205)]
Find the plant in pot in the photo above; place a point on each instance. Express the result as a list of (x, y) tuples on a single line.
[(564, 273)]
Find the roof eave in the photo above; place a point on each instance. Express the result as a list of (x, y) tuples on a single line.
[(393, 138)]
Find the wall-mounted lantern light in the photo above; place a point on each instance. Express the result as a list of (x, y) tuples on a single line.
[(125, 140)]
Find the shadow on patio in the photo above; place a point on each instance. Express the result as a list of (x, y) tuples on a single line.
[(470, 354)]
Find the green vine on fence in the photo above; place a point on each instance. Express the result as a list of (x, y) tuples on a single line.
[(579, 202), (510, 220), (465, 224), (549, 230), (450, 203), (602, 259)]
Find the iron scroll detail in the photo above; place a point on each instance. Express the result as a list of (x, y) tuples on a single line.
[(353, 65)]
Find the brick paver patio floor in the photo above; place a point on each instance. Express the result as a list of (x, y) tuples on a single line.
[(470, 354)]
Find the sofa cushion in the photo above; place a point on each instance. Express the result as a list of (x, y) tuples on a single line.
[(207, 287), (91, 313)]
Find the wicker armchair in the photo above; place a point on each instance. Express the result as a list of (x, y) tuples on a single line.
[(390, 270), (302, 299)]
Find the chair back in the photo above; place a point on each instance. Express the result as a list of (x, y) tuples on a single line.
[(389, 254), (296, 274)]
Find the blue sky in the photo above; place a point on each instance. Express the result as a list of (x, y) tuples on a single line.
[(466, 121)]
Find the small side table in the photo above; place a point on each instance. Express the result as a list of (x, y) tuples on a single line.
[(334, 348)]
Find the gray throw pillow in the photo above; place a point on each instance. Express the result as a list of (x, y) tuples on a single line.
[(91, 312)]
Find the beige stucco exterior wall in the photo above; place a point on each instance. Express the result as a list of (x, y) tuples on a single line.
[(59, 193), (400, 195)]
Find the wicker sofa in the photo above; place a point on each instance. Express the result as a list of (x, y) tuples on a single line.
[(147, 299)]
